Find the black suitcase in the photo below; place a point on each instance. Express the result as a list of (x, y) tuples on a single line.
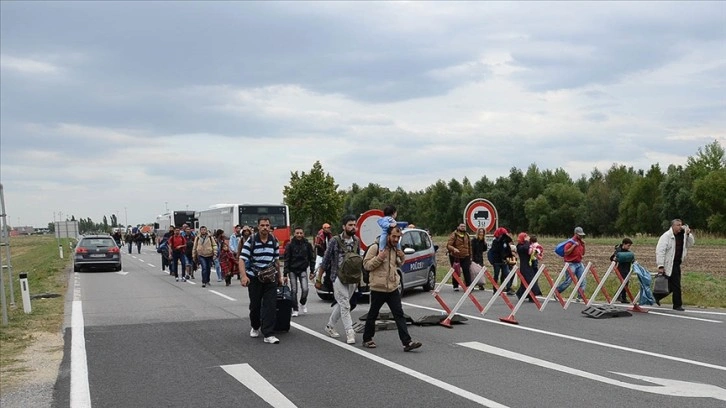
[(284, 309)]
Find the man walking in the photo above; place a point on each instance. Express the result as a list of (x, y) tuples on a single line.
[(384, 281), (574, 251), (669, 254), (177, 246), (459, 247), (321, 245), (342, 291), (204, 252), (299, 256), (262, 279)]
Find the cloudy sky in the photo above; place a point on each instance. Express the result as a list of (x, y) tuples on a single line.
[(133, 107)]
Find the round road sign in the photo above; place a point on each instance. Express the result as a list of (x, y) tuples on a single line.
[(368, 229), (480, 213)]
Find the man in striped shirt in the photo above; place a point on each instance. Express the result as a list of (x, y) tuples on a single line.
[(261, 250)]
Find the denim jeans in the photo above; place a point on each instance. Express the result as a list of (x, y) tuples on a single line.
[(218, 268), (578, 269), (205, 262), (501, 271), (341, 310), (176, 256), (302, 279)]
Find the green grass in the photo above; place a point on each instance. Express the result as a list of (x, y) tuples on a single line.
[(38, 257)]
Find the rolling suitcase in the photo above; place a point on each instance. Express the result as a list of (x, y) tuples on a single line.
[(284, 309)]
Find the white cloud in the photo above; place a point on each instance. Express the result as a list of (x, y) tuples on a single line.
[(27, 65)]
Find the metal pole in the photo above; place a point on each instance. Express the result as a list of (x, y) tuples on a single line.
[(6, 244)]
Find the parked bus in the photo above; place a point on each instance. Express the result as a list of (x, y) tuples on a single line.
[(226, 216), (177, 219)]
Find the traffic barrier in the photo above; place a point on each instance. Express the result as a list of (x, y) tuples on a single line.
[(553, 286), (623, 286), (455, 273), (499, 290), (528, 288)]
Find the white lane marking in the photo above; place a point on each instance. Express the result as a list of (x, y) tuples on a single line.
[(250, 378), (403, 369), (122, 273), (190, 282), (153, 266), (80, 389), (223, 295), (580, 339), (684, 317), (669, 387)]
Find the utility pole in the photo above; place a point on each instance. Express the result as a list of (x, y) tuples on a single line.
[(126, 218)]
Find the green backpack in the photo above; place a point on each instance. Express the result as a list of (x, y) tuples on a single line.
[(351, 268)]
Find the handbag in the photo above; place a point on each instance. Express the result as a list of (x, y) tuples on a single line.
[(660, 287), (267, 274)]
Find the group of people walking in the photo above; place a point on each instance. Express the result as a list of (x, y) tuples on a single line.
[(671, 251)]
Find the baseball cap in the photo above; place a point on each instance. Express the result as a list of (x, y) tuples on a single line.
[(579, 231), (326, 225)]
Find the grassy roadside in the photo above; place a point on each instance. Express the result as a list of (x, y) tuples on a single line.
[(704, 273), (38, 257)]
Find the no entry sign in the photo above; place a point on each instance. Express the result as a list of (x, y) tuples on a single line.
[(480, 213), (368, 229)]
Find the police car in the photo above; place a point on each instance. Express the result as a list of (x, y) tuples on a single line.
[(419, 268)]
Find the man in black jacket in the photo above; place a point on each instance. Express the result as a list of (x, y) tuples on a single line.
[(299, 256)]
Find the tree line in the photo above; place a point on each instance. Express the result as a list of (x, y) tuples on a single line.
[(621, 200)]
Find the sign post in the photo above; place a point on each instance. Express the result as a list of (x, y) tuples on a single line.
[(481, 213)]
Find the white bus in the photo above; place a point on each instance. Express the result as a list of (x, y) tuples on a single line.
[(226, 216)]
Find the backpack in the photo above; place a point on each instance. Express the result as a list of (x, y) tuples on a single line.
[(351, 268), (490, 255), (560, 248)]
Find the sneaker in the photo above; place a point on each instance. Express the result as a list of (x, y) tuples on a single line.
[(294, 313), (184, 279), (412, 345), (220, 280), (177, 279), (304, 309), (680, 309), (331, 331), (350, 336), (456, 289), (510, 292), (204, 285), (657, 302), (254, 333), (272, 340)]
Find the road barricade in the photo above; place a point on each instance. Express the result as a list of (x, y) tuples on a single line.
[(455, 273), (623, 286)]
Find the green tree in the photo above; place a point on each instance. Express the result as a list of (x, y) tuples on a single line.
[(711, 158), (313, 198), (641, 208), (709, 193)]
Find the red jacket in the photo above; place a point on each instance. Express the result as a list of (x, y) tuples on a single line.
[(577, 253), (228, 263)]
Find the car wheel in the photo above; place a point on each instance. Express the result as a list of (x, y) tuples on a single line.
[(76, 268), (118, 268), (431, 281)]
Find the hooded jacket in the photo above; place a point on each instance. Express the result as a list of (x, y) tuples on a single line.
[(383, 273)]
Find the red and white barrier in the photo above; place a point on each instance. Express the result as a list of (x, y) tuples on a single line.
[(455, 273)]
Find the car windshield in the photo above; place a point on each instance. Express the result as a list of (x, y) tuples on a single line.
[(97, 242)]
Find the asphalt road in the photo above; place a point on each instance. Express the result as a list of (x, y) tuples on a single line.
[(153, 342)]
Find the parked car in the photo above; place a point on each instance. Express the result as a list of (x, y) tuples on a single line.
[(97, 251), (419, 268)]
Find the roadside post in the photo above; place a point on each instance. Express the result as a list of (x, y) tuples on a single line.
[(25, 292)]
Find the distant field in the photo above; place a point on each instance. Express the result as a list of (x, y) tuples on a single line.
[(704, 271)]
